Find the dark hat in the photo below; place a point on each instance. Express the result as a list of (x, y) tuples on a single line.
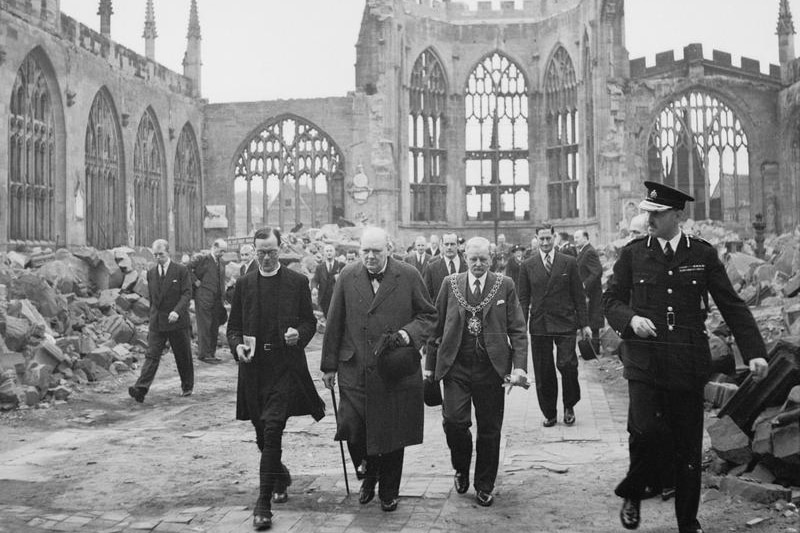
[(461, 240), (432, 393), (662, 197)]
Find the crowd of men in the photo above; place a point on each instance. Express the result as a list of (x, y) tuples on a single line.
[(472, 309)]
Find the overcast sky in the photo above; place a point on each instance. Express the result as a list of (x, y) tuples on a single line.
[(270, 49)]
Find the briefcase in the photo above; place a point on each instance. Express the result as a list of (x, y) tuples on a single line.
[(432, 392), (586, 350)]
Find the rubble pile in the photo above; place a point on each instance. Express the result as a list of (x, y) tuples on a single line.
[(68, 318)]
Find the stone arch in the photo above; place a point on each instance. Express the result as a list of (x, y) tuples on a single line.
[(149, 181), (104, 177), (187, 187), (37, 155), (698, 142), (288, 171)]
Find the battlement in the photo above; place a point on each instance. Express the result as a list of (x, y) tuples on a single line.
[(122, 58), (694, 62), (488, 10)]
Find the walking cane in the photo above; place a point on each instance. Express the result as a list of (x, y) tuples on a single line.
[(341, 446)]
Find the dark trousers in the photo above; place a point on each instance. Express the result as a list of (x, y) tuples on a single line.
[(544, 371), (269, 433), (472, 378), (180, 342), (653, 415), (207, 329), (385, 469)]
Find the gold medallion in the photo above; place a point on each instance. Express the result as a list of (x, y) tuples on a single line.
[(474, 325)]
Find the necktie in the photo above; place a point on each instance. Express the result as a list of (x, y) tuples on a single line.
[(547, 264), (477, 292), (668, 253), (452, 267), (162, 272)]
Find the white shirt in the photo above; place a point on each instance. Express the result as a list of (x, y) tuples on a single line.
[(456, 263), (375, 283), (165, 267), (673, 242), (471, 281)]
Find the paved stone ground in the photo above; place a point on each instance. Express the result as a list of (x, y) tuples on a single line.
[(551, 479)]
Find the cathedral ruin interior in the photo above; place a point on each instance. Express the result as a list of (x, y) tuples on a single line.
[(460, 118)]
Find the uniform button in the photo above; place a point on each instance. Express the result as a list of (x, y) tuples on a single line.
[(641, 281), (669, 308), (670, 328), (669, 291), (670, 272), (694, 282)]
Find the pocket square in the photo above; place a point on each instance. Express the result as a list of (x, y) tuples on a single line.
[(174, 281), (500, 302)]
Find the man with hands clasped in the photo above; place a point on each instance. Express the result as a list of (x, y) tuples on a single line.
[(271, 323), (657, 301), (482, 343)]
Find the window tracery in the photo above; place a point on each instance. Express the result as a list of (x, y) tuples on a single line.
[(148, 177), (497, 173), (699, 145), (186, 204), (289, 173), (563, 162), (427, 155), (104, 178), (32, 156)]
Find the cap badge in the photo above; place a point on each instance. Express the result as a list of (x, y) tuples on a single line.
[(653, 194)]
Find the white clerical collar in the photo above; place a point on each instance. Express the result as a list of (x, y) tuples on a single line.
[(471, 280), (673, 242), (269, 274)]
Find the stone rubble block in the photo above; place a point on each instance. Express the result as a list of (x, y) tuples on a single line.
[(18, 331), (718, 394), (60, 393), (48, 353), (38, 375), (102, 356), (124, 302), (792, 287), (786, 442), (25, 309), (107, 299), (757, 492), (118, 328), (141, 287), (762, 432), (129, 281), (730, 442)]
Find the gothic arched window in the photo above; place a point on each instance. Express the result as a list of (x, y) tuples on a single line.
[(148, 181), (427, 157), (105, 180), (588, 129), (698, 145), (561, 109), (186, 204), (288, 173), (32, 156), (497, 174)]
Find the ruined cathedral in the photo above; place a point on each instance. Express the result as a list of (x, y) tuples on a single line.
[(469, 119)]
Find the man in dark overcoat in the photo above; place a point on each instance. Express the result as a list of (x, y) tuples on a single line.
[(325, 276), (482, 340), (551, 289), (419, 257), (209, 273), (438, 268), (273, 305), (377, 418), (170, 289), (657, 301), (591, 273)]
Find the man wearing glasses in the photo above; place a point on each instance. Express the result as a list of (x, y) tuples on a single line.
[(377, 296), (270, 325)]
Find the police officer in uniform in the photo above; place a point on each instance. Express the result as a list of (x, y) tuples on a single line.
[(657, 301)]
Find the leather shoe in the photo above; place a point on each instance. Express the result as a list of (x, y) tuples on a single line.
[(261, 522), (630, 515), (187, 392), (484, 499), (211, 360), (136, 394), (549, 422), (279, 494), (461, 482), (569, 416), (668, 493), (389, 505), (367, 490)]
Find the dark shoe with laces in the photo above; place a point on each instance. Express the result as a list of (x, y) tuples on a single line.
[(367, 491), (484, 499), (549, 422), (569, 416), (630, 514), (261, 522), (136, 394), (388, 506), (279, 494), (186, 392), (461, 482), (668, 493)]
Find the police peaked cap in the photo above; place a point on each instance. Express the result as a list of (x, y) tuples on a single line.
[(662, 197)]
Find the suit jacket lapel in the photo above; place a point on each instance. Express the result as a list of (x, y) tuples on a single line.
[(657, 252), (159, 292), (363, 284), (461, 282), (681, 253), (386, 287)]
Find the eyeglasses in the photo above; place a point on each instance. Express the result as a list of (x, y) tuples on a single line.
[(271, 253)]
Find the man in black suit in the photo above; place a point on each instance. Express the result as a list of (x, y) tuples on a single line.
[(273, 306), (450, 262), (551, 289), (170, 289), (325, 276), (419, 257), (209, 273), (247, 258), (591, 272)]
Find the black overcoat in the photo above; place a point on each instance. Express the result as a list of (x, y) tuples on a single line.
[(591, 272), (294, 310)]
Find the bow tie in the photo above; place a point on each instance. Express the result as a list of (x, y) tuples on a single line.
[(377, 277)]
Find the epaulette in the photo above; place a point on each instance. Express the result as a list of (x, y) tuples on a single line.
[(700, 240), (635, 240)]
